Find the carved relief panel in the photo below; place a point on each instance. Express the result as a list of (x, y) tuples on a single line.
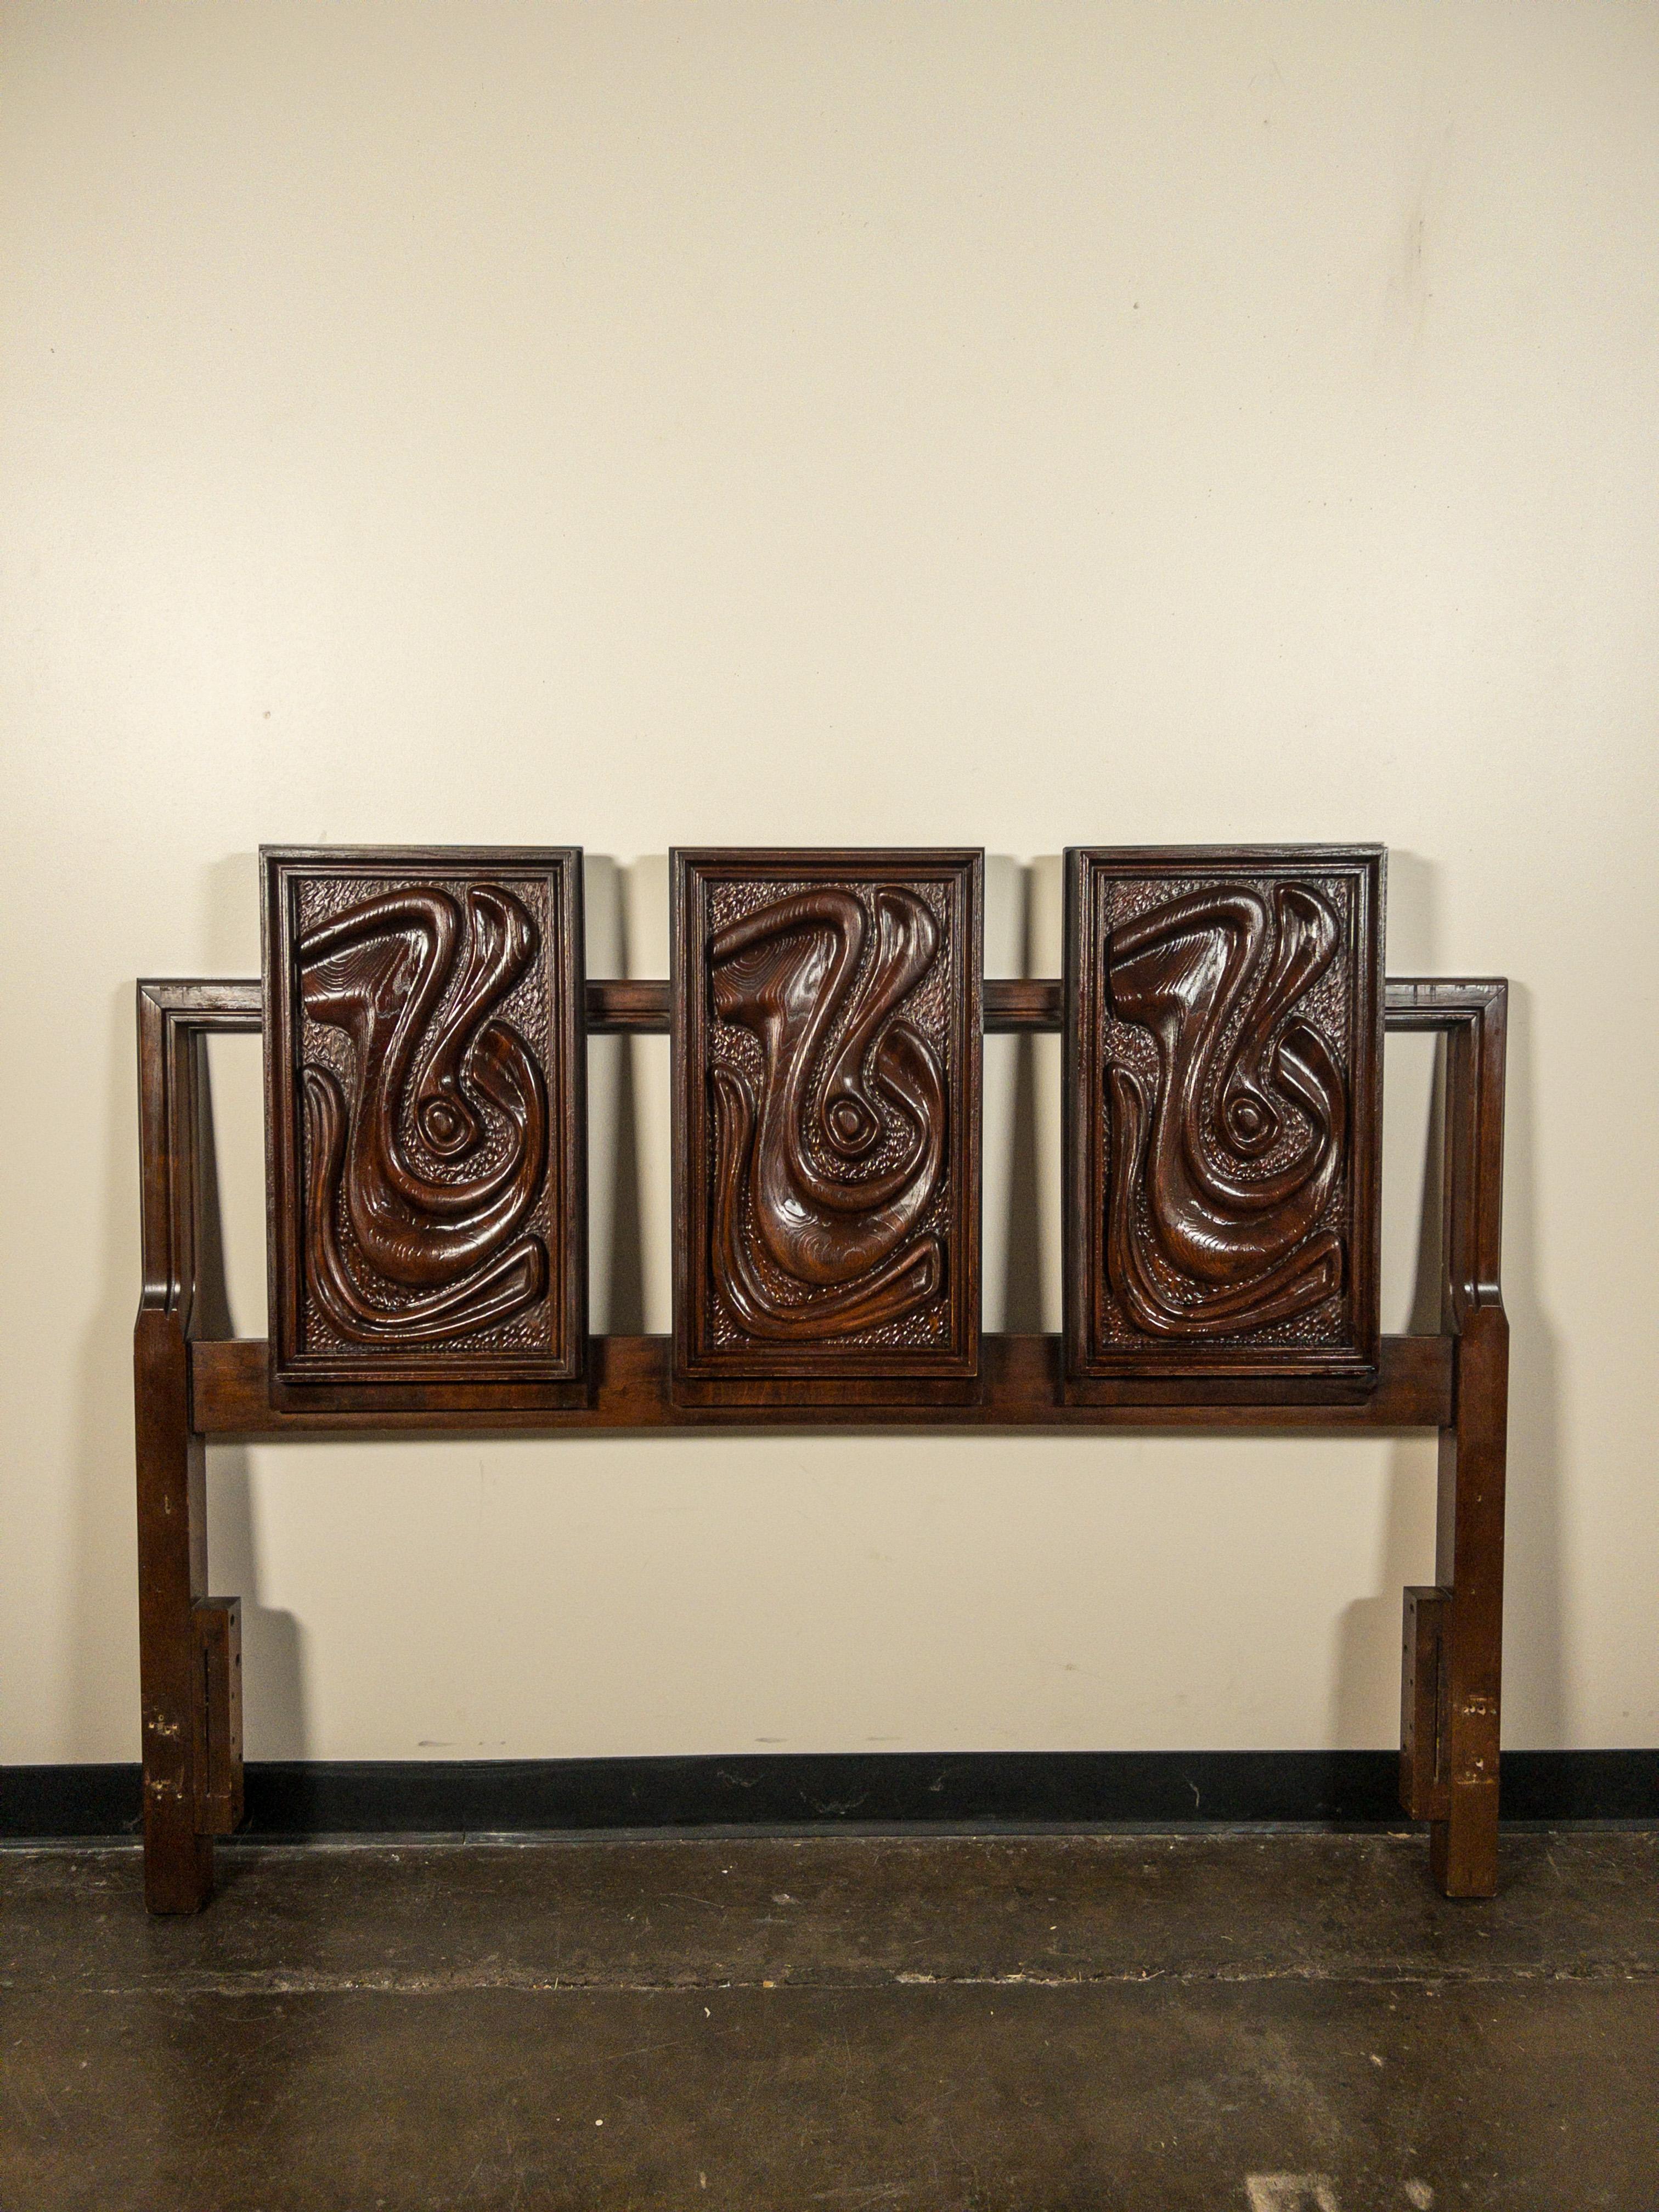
[(1223, 1093), (425, 1118), (826, 1014)]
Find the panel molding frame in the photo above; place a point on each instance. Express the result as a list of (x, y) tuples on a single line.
[(1095, 1373), (821, 1372), (341, 1379)]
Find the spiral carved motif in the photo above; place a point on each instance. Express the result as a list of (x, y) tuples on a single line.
[(1225, 1057), (827, 1162), (1201, 1237), (423, 1165)]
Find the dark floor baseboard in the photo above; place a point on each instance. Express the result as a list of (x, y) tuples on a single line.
[(1068, 1789)]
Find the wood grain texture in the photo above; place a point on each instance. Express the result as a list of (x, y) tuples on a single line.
[(1223, 1095), (1451, 1687), (1021, 1388), (827, 1025), (1013, 1005), (426, 1110), (187, 1746)]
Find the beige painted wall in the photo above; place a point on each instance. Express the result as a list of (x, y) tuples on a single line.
[(858, 424)]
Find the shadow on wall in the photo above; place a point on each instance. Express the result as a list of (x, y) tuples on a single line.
[(1534, 1680), (273, 1640), (616, 1263), (1022, 1283), (1368, 1637), (1365, 1672)]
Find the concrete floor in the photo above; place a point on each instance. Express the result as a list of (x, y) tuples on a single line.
[(1290, 2022)]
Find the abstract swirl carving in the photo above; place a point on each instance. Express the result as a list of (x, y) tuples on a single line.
[(1197, 1242), (821, 1183), (436, 1158)]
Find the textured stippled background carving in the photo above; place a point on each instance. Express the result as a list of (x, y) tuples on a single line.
[(500, 1000), (1339, 1004), (936, 1008), (527, 1008), (927, 1007)]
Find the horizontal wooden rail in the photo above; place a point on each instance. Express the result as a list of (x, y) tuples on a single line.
[(1031, 1003), (230, 1396), (632, 1389), (640, 1004), (619, 1002)]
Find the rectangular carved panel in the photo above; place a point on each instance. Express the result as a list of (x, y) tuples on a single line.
[(425, 1077), (1223, 1100), (826, 1024)]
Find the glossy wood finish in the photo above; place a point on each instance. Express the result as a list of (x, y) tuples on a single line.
[(1223, 1107), (1013, 1004), (632, 1379), (1474, 1019), (826, 1027), (190, 1386), (425, 1114)]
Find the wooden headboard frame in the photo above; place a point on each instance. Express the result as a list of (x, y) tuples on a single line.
[(193, 1385)]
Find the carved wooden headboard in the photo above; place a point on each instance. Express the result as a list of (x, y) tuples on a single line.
[(425, 1015)]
